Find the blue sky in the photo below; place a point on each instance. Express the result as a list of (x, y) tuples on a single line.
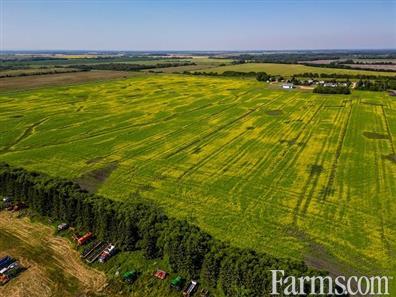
[(197, 25)]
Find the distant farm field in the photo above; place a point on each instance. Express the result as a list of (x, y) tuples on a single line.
[(291, 173), (290, 69), (37, 81)]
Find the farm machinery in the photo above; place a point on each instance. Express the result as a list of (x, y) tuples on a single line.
[(9, 269), (130, 276), (161, 274), (83, 239), (107, 253), (15, 206), (177, 282), (62, 227), (191, 288)]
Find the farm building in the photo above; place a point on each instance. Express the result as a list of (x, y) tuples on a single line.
[(288, 86), (333, 85)]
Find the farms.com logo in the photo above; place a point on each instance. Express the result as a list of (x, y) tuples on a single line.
[(326, 285)]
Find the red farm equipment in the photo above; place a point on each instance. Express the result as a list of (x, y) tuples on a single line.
[(84, 239), (18, 206), (160, 274), (4, 279)]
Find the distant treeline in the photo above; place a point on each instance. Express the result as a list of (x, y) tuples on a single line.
[(136, 224), (225, 73), (127, 67), (4, 75), (292, 58), (350, 61), (332, 90), (13, 67), (260, 76), (32, 59), (342, 66), (378, 85), (305, 74), (66, 61), (344, 75), (282, 58)]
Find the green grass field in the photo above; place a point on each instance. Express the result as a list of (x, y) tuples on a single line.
[(290, 69), (291, 173)]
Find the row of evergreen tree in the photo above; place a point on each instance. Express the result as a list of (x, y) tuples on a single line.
[(332, 90), (343, 66), (344, 75), (128, 67), (378, 85), (41, 72), (140, 225)]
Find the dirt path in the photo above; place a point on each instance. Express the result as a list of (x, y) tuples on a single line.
[(53, 266)]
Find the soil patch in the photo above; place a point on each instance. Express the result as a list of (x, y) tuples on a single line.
[(374, 135), (275, 112), (316, 169), (391, 157), (92, 180)]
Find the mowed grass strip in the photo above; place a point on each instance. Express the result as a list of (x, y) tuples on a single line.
[(290, 173)]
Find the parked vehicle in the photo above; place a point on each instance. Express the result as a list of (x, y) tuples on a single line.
[(13, 270), (107, 253), (177, 282), (130, 276), (63, 226), (6, 261), (191, 288), (6, 270)]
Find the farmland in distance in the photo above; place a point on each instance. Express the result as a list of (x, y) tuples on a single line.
[(290, 173), (291, 69)]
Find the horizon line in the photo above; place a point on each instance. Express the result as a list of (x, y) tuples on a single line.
[(196, 50)]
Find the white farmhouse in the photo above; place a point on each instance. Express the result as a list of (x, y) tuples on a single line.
[(287, 86)]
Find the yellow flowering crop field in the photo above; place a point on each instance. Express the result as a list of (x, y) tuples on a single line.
[(291, 173)]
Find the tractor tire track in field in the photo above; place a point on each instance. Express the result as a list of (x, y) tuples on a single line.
[(28, 132), (262, 164), (313, 178), (211, 133), (209, 157), (155, 143), (293, 159), (285, 150), (206, 138), (391, 253), (388, 130), (100, 134), (328, 190)]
